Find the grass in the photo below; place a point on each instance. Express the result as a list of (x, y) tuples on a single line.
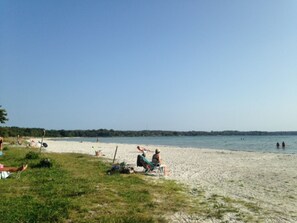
[(77, 189)]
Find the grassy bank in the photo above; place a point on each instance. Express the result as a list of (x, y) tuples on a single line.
[(77, 189)]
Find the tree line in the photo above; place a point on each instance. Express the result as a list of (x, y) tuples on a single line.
[(38, 132)]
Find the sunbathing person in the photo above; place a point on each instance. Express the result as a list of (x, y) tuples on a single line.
[(142, 149), (13, 169)]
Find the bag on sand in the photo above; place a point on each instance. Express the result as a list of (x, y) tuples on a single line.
[(46, 163)]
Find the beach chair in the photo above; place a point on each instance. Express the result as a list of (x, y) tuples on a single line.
[(149, 167)]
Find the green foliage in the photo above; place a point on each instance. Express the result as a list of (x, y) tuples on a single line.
[(32, 155), (3, 115), (5, 148)]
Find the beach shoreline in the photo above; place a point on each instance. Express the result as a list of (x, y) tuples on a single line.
[(268, 180)]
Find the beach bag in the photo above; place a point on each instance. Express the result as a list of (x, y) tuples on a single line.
[(127, 170), (46, 163), (115, 168), (124, 168), (4, 174)]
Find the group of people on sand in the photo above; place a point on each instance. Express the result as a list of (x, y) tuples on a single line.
[(156, 158), (4, 170), (278, 145)]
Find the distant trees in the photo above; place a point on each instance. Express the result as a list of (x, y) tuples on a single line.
[(38, 132), (3, 115)]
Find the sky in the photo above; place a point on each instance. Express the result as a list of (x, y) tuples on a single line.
[(204, 65)]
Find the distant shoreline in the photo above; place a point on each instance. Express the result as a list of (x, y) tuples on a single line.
[(37, 132)]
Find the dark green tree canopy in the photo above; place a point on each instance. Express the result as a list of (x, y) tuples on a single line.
[(3, 115)]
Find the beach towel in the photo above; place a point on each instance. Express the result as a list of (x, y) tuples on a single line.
[(4, 174)]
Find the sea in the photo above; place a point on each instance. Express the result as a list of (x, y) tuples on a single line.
[(234, 143)]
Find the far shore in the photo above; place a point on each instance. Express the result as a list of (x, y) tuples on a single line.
[(266, 179)]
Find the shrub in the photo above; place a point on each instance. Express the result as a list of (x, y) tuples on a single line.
[(32, 155), (5, 148)]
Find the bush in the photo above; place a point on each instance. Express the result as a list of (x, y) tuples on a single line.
[(32, 155), (5, 148)]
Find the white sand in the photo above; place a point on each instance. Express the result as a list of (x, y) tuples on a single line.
[(266, 179)]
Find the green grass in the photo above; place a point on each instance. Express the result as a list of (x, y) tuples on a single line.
[(77, 189)]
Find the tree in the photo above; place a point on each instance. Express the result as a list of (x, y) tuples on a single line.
[(3, 115)]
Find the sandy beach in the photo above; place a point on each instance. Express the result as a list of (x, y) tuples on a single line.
[(266, 180)]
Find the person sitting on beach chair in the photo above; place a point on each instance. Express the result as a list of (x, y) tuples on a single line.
[(148, 166), (143, 162), (157, 161)]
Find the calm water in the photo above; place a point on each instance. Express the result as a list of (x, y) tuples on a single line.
[(241, 143)]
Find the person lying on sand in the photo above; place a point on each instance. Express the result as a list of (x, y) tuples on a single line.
[(142, 149)]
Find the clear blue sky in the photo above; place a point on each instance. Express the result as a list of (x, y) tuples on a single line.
[(158, 65)]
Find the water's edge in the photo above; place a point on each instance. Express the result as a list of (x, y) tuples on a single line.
[(233, 143)]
